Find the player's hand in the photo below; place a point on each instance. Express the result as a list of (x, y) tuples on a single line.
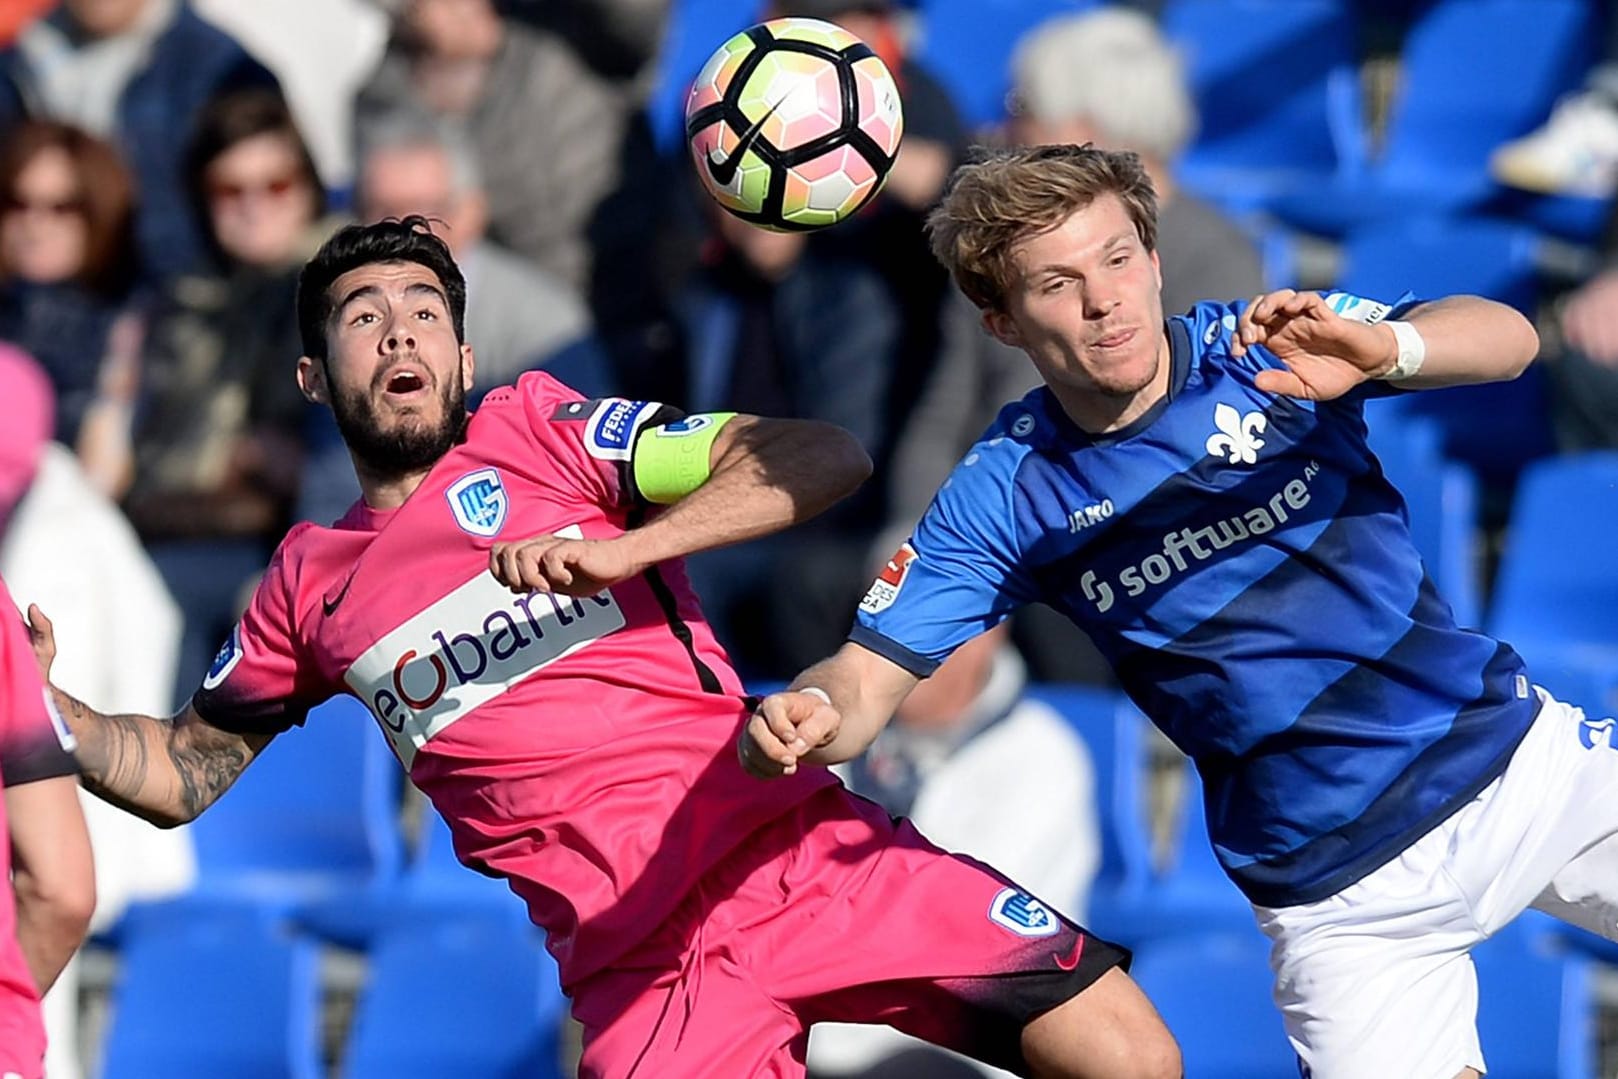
[(782, 730), (1325, 354), (571, 567), (42, 635), (1590, 319)]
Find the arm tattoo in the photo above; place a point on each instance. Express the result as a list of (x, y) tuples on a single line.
[(205, 771)]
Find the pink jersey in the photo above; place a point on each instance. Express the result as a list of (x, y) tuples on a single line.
[(33, 745), (583, 749)]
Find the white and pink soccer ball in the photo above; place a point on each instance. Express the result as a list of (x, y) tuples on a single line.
[(793, 124)]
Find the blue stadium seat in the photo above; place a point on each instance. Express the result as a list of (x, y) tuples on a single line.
[(313, 820), (1442, 497), (1557, 586), (695, 29), (471, 999), (1214, 993), (1134, 898), (1496, 428), (969, 44), (1474, 73), (1536, 1009), (1115, 734), (232, 997), (1276, 84)]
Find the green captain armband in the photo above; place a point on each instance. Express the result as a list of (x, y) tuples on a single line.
[(671, 461)]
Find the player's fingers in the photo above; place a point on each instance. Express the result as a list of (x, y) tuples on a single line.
[(1282, 382), (819, 728), (762, 753), (557, 564), (782, 712), (1245, 327)]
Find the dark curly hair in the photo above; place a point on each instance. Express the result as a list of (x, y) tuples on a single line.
[(408, 240)]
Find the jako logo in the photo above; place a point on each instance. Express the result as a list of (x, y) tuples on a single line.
[(1095, 513), (1237, 439), (1594, 732), (466, 649)]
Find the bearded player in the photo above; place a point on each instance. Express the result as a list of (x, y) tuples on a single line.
[(508, 600)]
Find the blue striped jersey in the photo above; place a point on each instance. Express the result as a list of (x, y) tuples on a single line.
[(1246, 568)]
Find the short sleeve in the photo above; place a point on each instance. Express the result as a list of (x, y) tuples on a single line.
[(958, 575), (592, 439), (34, 742), (259, 682)]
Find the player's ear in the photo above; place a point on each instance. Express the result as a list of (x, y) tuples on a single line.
[(468, 367), (1002, 327), (312, 380)]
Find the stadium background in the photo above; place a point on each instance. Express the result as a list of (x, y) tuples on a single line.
[(323, 926)]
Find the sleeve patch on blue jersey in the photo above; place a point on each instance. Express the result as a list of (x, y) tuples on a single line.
[(885, 589), (610, 434), (1358, 308)]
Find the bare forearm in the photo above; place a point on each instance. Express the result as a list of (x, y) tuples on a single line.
[(139, 764), (1469, 340), (771, 476), (47, 933), (866, 704)]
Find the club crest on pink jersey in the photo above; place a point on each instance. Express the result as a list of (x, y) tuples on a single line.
[(478, 500)]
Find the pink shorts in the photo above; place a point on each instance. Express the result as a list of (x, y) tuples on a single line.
[(836, 912)]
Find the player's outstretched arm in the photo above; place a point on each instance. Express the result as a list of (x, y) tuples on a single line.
[(761, 476), (53, 874), (831, 713), (164, 770), (1457, 340)]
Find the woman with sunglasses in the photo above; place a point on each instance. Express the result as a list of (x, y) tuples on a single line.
[(66, 277), (218, 443)]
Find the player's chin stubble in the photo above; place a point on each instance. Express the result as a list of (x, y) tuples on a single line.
[(406, 447)]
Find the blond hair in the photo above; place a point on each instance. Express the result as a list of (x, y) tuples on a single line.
[(1005, 197)]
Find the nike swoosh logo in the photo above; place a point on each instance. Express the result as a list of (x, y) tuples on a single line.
[(1071, 960), (329, 604), (722, 166)]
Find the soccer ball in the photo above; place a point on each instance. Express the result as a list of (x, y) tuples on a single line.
[(793, 124)]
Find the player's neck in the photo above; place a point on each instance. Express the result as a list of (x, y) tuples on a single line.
[(387, 492), (1100, 413)]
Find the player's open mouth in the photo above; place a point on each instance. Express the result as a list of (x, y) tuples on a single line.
[(404, 382)]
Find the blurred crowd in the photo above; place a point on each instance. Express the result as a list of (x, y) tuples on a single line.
[(167, 165)]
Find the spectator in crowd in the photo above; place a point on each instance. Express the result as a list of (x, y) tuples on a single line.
[(321, 52), (1106, 77), (1583, 371), (217, 448), (569, 168), (517, 314), (889, 234), (137, 72), (18, 14), (65, 546), (618, 38), (1575, 152), (776, 323), (1109, 77), (66, 268), (985, 771)]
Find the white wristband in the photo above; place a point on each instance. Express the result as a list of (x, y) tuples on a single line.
[(1412, 351), (816, 691)]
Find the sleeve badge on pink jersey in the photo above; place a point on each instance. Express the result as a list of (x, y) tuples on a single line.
[(1022, 914), (478, 500), (610, 434), (229, 654)]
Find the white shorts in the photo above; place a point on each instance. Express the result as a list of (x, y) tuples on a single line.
[(1376, 981)]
